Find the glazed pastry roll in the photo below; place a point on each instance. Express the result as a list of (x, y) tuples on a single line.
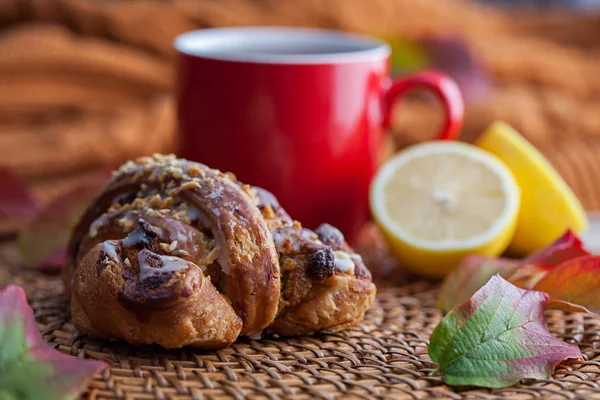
[(175, 253), (201, 218), (325, 286)]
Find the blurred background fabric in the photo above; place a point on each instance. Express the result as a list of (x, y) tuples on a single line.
[(86, 85)]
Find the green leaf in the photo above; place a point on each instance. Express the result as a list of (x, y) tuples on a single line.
[(496, 338), (29, 369), (407, 56)]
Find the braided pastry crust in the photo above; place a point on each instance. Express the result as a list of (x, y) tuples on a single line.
[(175, 253)]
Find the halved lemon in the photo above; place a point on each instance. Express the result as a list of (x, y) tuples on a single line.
[(437, 202), (548, 206)]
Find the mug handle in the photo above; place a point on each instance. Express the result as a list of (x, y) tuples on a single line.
[(444, 87)]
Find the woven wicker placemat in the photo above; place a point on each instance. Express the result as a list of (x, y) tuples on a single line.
[(383, 357)]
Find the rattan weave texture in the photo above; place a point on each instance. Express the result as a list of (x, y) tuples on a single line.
[(383, 357)]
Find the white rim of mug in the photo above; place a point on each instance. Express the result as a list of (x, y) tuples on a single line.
[(366, 48)]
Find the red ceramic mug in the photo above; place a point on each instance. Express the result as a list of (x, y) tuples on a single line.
[(299, 112)]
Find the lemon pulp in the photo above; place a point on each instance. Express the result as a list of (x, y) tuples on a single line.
[(439, 201)]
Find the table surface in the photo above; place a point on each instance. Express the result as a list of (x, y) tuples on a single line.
[(383, 357)]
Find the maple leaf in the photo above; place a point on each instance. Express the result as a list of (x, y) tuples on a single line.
[(29, 368), (574, 285), (496, 338), (474, 271)]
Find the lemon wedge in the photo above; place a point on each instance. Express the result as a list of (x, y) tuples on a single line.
[(437, 202), (548, 205)]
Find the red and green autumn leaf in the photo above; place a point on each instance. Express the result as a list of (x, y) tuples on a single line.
[(29, 368), (574, 285), (474, 271), (496, 338)]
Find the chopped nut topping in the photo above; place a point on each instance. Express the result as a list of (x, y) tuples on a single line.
[(137, 176), (165, 247), (127, 167), (248, 190), (189, 185), (268, 212), (297, 225), (194, 171), (144, 160), (127, 262), (231, 176), (156, 201), (167, 202), (152, 212), (274, 224), (138, 204), (163, 157), (176, 172), (183, 252), (173, 245), (125, 223), (179, 215), (212, 256)]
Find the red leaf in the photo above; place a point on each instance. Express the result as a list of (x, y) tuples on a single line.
[(43, 242), (574, 285), (565, 248), (16, 204), (470, 275), (30, 368), (474, 271), (527, 275), (537, 265)]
